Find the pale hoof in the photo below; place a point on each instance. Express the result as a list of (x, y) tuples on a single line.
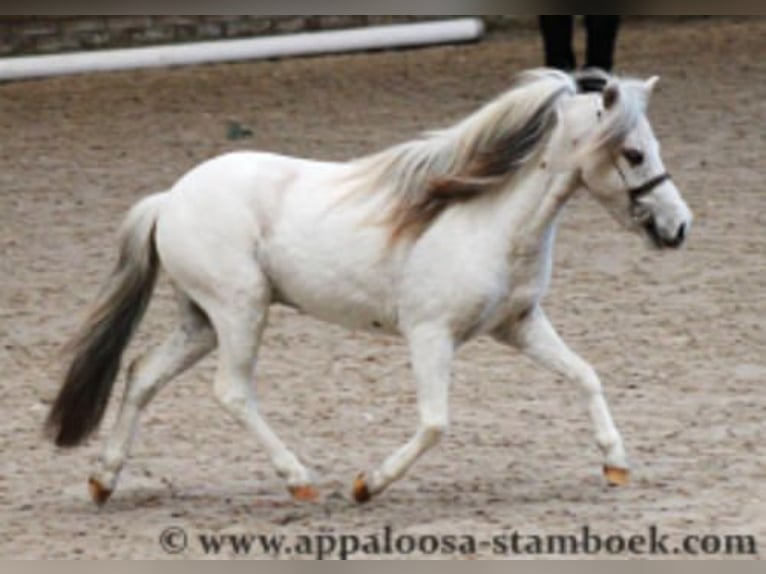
[(361, 492), (304, 493), (616, 476), (98, 492)]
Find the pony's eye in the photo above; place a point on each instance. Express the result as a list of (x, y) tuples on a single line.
[(633, 156)]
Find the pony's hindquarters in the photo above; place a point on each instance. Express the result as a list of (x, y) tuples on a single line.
[(98, 347), (210, 241)]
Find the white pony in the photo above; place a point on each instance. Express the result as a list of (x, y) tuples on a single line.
[(439, 239)]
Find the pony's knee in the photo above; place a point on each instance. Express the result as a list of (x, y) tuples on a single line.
[(433, 431), (140, 389)]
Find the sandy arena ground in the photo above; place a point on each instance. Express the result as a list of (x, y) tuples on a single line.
[(678, 338)]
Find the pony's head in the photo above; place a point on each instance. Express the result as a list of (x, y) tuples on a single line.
[(619, 160)]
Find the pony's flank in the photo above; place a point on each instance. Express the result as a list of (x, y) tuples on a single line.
[(424, 177)]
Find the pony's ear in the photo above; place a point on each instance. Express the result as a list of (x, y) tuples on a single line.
[(650, 84), (649, 89), (611, 95)]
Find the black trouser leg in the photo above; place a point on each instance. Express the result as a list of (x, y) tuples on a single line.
[(557, 41), (602, 35)]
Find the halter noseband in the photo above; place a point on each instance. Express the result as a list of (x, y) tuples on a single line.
[(645, 188)]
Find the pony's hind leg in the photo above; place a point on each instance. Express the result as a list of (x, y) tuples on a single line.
[(215, 261), (191, 340), (239, 320)]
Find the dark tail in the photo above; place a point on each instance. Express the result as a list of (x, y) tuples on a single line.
[(98, 347)]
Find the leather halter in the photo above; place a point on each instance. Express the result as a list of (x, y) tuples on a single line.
[(645, 188)]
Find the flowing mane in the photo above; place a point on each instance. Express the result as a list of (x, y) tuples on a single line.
[(478, 155)]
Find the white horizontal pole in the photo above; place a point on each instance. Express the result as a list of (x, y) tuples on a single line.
[(302, 44)]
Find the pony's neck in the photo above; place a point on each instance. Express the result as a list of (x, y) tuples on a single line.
[(531, 203), (529, 209)]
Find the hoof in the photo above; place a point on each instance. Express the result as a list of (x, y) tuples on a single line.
[(360, 491), (616, 476), (304, 493), (98, 492)]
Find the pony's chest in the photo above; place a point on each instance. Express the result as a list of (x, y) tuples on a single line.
[(528, 277), (525, 283)]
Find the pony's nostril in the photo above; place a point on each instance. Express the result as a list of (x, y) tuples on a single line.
[(681, 233)]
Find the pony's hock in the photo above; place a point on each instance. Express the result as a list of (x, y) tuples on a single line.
[(439, 239)]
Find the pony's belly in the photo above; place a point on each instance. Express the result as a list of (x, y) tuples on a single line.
[(349, 315), (333, 287), (349, 308)]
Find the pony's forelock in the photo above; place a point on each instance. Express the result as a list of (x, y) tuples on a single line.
[(621, 118)]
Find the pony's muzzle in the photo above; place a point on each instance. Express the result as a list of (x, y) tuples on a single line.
[(680, 235), (661, 239)]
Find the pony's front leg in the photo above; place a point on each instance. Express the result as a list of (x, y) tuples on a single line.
[(431, 349), (536, 337)]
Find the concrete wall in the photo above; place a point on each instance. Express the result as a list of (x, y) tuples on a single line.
[(49, 34)]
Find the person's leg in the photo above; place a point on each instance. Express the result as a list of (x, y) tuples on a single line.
[(557, 42), (602, 35)]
